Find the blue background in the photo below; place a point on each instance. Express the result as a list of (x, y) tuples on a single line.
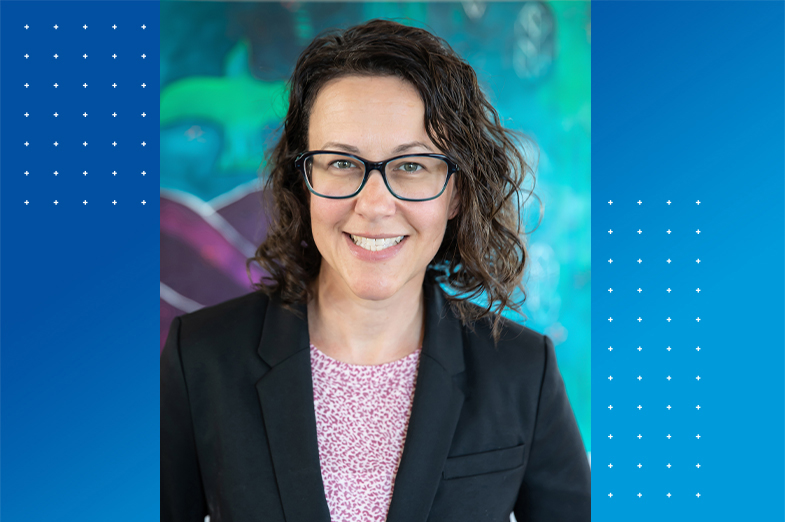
[(79, 358), (688, 99)]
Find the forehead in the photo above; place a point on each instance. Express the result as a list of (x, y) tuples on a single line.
[(366, 110), (350, 91)]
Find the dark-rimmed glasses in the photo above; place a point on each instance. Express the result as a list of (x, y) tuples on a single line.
[(411, 177)]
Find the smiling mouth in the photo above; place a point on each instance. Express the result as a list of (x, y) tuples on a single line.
[(375, 245)]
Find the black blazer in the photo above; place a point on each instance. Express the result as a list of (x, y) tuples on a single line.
[(491, 430)]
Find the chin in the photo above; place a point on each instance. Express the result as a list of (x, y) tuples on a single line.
[(375, 289)]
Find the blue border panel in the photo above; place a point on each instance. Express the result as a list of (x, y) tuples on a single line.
[(79, 354), (688, 106)]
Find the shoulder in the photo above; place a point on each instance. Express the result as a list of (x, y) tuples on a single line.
[(521, 354), (234, 312), (227, 326), (510, 380)]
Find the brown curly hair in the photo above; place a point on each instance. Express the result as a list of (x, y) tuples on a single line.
[(483, 254)]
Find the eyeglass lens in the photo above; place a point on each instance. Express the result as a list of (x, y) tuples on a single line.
[(411, 177)]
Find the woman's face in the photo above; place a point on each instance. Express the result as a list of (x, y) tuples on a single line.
[(373, 117)]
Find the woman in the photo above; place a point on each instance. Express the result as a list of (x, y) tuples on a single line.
[(351, 387)]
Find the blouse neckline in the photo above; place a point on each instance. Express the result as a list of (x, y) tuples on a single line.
[(388, 365)]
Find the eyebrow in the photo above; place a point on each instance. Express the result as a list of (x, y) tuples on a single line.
[(400, 148)]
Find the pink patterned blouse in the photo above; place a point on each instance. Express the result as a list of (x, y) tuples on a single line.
[(362, 415)]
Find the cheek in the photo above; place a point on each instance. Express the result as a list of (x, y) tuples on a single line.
[(430, 222), (317, 224), (325, 216)]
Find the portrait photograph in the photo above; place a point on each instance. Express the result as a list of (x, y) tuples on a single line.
[(341, 345)]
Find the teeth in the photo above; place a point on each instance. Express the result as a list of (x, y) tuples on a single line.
[(375, 245)]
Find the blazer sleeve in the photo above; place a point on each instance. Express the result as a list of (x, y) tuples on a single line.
[(557, 481), (182, 495)]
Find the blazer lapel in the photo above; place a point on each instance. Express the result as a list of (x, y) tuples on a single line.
[(286, 396), (435, 410)]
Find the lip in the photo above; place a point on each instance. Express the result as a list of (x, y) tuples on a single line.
[(376, 236), (367, 255)]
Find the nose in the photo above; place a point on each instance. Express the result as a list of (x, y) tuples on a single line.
[(374, 199)]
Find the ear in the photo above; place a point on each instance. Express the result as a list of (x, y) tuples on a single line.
[(455, 204)]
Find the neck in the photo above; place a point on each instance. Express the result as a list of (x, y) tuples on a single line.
[(366, 332)]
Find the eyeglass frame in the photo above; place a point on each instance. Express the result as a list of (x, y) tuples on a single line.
[(370, 166)]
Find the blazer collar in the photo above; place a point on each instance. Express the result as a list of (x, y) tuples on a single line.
[(435, 410), (285, 332), (286, 396), (443, 340)]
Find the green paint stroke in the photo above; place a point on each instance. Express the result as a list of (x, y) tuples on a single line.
[(237, 102)]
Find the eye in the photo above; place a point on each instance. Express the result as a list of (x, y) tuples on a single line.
[(410, 167), (343, 164)]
